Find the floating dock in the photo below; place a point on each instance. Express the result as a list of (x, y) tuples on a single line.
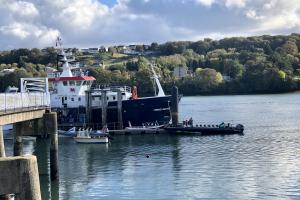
[(206, 130), (137, 132)]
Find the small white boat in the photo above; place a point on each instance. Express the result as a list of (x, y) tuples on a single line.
[(90, 136), (69, 133), (145, 128)]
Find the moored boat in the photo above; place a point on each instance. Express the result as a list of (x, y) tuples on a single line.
[(69, 133), (88, 137), (77, 102), (145, 128)]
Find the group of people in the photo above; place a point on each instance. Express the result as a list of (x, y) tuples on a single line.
[(187, 123)]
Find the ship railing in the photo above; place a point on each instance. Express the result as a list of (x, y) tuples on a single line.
[(12, 102), (100, 88), (53, 75), (75, 72)]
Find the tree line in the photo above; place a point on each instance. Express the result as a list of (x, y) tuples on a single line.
[(237, 65)]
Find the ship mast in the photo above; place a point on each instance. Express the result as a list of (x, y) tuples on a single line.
[(66, 67), (161, 92)]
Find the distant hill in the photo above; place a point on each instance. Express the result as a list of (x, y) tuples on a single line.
[(237, 65)]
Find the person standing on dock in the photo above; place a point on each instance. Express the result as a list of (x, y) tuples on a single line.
[(190, 122)]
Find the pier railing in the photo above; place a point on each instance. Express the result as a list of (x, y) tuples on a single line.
[(23, 101)]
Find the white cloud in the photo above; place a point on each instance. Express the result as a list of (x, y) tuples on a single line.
[(22, 8), (253, 15), (275, 16), (205, 2), (15, 29), (235, 3), (80, 13), (36, 23)]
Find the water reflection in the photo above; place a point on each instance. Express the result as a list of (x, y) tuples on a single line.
[(262, 164)]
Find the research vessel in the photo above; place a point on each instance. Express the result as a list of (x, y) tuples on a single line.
[(78, 101)]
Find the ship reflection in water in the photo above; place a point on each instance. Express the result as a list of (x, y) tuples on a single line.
[(264, 163)]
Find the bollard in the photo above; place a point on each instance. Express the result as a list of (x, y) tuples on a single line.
[(19, 175), (50, 123), (174, 106), (18, 144)]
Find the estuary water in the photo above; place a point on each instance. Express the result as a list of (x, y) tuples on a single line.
[(264, 163)]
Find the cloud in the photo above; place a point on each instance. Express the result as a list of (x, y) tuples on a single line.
[(275, 16), (83, 23), (21, 8), (205, 2), (235, 3)]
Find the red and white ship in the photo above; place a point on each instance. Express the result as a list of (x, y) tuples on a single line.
[(68, 94)]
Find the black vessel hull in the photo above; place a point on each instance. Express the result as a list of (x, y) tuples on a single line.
[(136, 111)]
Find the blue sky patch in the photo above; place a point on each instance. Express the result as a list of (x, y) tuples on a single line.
[(109, 3)]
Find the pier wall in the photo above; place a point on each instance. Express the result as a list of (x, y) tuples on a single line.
[(19, 175)]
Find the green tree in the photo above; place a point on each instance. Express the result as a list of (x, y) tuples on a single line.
[(208, 78)]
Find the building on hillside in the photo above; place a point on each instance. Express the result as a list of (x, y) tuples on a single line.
[(180, 72), (103, 49), (7, 71), (93, 50), (226, 78)]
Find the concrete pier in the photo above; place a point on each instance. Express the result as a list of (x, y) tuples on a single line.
[(19, 175), (88, 101), (2, 155), (18, 143), (174, 106), (50, 123), (104, 107), (119, 105), (2, 149)]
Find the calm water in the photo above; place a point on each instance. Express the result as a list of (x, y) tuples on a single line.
[(264, 163)]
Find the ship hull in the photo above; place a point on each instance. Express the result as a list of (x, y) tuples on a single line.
[(136, 111)]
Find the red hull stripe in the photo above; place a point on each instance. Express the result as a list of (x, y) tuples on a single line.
[(76, 78)]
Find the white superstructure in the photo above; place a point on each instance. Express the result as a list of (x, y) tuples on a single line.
[(69, 87)]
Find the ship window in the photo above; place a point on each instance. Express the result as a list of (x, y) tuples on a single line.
[(65, 83), (88, 82), (72, 99), (72, 83), (78, 83), (79, 99), (84, 83), (107, 98), (114, 97), (66, 98)]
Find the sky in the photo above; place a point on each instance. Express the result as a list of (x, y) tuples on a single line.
[(93, 23)]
